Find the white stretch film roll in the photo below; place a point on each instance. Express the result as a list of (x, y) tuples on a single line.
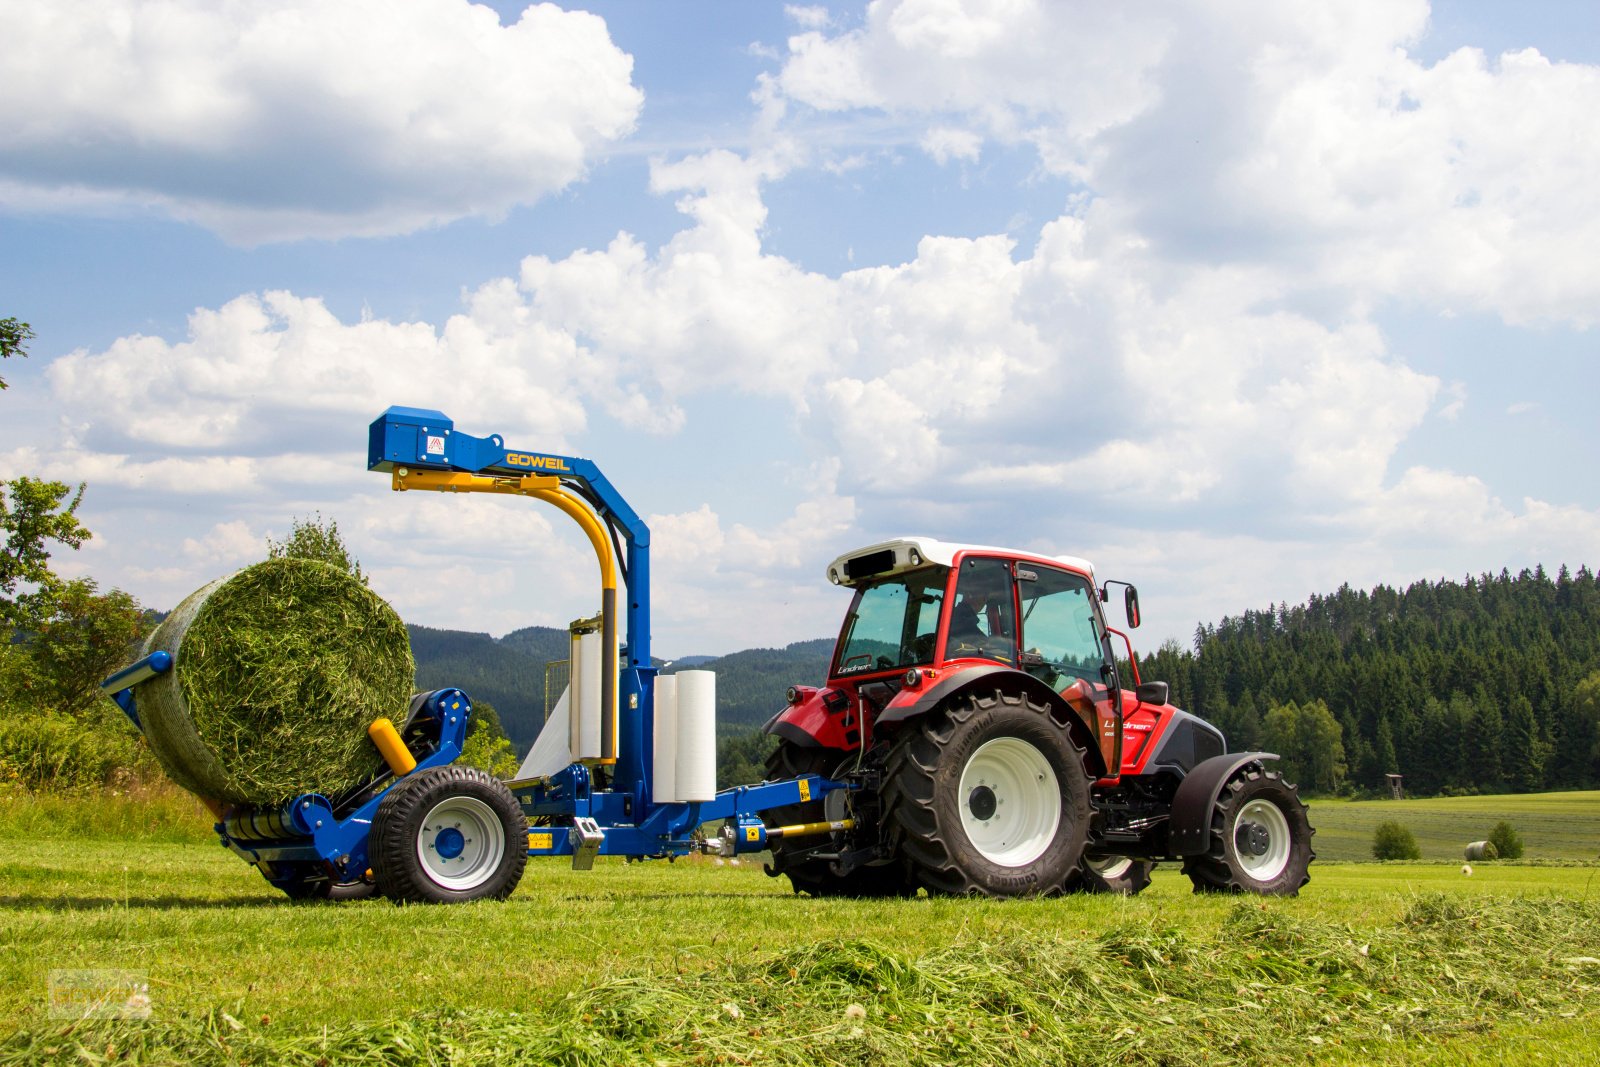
[(664, 779), (551, 750), (586, 704), (697, 735)]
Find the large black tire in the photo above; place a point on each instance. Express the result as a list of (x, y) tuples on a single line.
[(1111, 874), (1260, 838), (948, 781), (449, 835), (807, 874)]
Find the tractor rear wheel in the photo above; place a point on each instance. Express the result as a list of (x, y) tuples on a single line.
[(449, 835), (988, 796), (1111, 874), (806, 873), (1260, 838)]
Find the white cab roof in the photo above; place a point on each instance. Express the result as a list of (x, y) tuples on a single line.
[(912, 552)]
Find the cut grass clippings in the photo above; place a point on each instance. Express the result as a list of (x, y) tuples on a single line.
[(1264, 985), (278, 671)]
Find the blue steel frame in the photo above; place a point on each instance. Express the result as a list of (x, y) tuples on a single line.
[(425, 439)]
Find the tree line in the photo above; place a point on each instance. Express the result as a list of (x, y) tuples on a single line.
[(1487, 684)]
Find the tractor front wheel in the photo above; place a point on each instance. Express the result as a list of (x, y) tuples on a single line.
[(449, 835), (1260, 838), (794, 857), (1111, 874), (988, 796)]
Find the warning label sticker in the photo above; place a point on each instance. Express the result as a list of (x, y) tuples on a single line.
[(435, 444)]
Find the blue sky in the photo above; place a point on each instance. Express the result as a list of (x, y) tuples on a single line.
[(1239, 306)]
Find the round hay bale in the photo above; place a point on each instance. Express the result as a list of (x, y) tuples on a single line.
[(277, 672), (1482, 850)]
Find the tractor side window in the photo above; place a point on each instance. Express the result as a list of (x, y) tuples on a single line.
[(1059, 627), (893, 622), (983, 617)]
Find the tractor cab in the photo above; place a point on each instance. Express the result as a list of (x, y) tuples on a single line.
[(926, 611)]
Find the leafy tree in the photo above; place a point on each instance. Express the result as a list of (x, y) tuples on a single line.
[(14, 338), (742, 757), (1392, 841), (33, 515), (319, 539), (1309, 739), (486, 746), (1506, 841), (88, 636)]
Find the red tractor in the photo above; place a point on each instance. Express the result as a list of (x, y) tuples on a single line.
[(975, 703)]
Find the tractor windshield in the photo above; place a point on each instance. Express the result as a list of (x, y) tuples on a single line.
[(893, 622)]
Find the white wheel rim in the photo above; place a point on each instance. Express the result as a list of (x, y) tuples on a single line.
[(1010, 802), (1266, 865), (461, 843), (1110, 867)]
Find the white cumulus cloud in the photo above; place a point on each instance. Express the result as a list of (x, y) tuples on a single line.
[(303, 119)]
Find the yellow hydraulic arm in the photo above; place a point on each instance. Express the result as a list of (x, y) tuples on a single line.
[(548, 488)]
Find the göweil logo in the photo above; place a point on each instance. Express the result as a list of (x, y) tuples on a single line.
[(538, 463)]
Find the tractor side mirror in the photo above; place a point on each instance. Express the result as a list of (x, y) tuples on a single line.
[(1152, 692), (1130, 601)]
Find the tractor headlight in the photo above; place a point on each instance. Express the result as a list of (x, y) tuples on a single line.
[(793, 695)]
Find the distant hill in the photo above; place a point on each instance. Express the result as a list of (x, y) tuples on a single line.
[(683, 663), (508, 672)]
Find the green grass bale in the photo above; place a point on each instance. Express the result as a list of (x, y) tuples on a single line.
[(278, 671)]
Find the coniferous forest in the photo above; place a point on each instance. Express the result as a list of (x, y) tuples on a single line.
[(1484, 685)]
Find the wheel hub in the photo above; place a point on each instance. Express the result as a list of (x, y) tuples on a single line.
[(1252, 839), (981, 802), (449, 842)]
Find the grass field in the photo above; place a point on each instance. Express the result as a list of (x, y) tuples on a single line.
[(1554, 826), (697, 962)]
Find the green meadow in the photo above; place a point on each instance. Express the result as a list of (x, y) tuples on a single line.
[(707, 962)]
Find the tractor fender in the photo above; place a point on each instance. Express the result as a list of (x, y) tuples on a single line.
[(908, 706), (1189, 829)]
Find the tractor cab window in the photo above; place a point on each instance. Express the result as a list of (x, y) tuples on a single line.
[(893, 622), (983, 617), (1059, 629)]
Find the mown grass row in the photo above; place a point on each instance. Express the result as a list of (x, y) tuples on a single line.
[(1265, 985)]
